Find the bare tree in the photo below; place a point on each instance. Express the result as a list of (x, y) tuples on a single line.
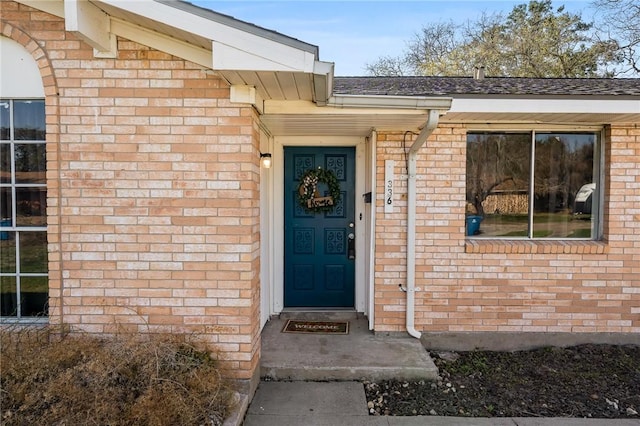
[(533, 40), (619, 25)]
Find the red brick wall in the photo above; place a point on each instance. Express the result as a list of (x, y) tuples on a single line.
[(507, 286), (153, 182)]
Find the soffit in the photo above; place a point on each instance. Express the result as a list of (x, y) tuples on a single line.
[(340, 124), (293, 84), (362, 124), (280, 67)]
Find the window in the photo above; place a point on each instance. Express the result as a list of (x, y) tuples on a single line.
[(533, 185), (23, 201)]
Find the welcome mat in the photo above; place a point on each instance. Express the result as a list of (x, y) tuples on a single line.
[(316, 327)]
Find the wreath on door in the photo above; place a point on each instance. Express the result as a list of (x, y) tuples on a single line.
[(309, 196)]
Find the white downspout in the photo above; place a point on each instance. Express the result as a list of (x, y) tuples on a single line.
[(429, 127)]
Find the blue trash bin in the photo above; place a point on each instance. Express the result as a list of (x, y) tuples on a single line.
[(4, 235), (473, 225)]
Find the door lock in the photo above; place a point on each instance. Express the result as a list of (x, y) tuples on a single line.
[(351, 246)]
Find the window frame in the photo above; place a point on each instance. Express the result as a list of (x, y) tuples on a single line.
[(16, 231), (598, 174)]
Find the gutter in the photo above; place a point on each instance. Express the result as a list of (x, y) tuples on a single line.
[(429, 127), (435, 106)]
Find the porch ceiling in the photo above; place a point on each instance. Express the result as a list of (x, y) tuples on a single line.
[(361, 124), (340, 125)]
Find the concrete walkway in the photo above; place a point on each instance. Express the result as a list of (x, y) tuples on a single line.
[(344, 403), (355, 356), (322, 374)]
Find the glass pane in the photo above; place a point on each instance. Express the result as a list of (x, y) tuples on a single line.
[(564, 185), (5, 131), (5, 163), (498, 166), (8, 254), (8, 299), (28, 121), (31, 163), (34, 295), (33, 252), (5, 206), (31, 206)]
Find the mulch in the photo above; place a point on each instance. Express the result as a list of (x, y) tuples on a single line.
[(587, 381)]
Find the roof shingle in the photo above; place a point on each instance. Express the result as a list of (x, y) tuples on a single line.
[(451, 86)]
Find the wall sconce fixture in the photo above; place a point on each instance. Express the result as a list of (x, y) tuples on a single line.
[(265, 159)]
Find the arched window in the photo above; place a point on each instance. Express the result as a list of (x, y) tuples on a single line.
[(24, 289)]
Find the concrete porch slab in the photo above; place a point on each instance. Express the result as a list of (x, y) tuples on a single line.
[(359, 355)]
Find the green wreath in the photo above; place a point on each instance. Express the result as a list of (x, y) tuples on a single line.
[(309, 197)]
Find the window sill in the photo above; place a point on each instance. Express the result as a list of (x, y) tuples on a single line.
[(533, 247), (24, 321)]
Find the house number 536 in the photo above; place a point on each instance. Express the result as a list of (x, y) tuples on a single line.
[(389, 177)]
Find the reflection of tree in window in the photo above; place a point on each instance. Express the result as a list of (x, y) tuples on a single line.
[(563, 164), (499, 192), (28, 120), (496, 162), (23, 202)]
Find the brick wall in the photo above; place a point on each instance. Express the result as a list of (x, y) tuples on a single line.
[(153, 182), (497, 286)]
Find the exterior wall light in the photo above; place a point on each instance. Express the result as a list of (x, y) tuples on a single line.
[(265, 159)]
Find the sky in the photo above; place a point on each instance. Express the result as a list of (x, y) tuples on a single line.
[(354, 33)]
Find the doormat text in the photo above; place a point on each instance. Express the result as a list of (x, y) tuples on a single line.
[(316, 327)]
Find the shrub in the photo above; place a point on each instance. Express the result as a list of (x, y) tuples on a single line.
[(121, 380)]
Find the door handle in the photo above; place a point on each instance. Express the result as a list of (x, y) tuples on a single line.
[(351, 246)]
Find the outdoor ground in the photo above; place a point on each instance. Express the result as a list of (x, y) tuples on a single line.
[(598, 381)]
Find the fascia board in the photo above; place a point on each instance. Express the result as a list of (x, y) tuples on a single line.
[(274, 107), (162, 42), (322, 82), (545, 105), (232, 57), (390, 102), (225, 38), (51, 7)]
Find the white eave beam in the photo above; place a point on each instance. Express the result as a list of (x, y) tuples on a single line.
[(90, 24), (247, 95)]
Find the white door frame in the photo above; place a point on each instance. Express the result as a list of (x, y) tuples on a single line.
[(277, 214)]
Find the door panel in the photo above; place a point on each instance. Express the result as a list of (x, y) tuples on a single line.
[(317, 268)]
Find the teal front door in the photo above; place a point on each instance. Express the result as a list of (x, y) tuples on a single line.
[(319, 263)]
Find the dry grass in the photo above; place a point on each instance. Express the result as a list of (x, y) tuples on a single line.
[(124, 380)]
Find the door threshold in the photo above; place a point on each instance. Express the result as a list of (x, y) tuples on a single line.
[(321, 314)]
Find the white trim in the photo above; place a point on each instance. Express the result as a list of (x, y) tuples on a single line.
[(248, 49), (360, 105), (161, 42), (19, 73), (266, 235), (360, 281), (371, 177), (52, 7), (277, 207), (545, 105), (90, 24), (392, 102)]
